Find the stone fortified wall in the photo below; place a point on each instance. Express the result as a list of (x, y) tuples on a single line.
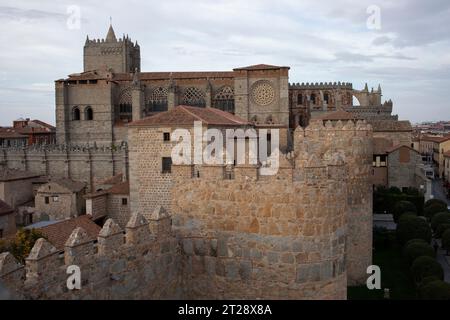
[(141, 263), (90, 164), (299, 234), (354, 141)]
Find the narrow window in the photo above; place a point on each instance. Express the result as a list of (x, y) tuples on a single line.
[(166, 165), (124, 201), (47, 200), (166, 136), (75, 114), (89, 114), (1, 233)]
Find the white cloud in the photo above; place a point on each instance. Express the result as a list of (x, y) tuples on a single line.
[(320, 40)]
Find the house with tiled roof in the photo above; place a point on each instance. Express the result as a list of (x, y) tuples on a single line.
[(16, 186), (58, 233), (60, 199), (27, 132), (110, 200)]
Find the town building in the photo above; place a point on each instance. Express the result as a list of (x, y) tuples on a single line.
[(27, 132), (60, 199)]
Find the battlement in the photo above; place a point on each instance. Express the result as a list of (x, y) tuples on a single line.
[(321, 85), (117, 259)]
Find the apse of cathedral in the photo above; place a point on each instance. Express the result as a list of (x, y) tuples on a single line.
[(98, 103)]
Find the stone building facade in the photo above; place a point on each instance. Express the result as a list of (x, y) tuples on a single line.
[(61, 199), (229, 236), (403, 167)]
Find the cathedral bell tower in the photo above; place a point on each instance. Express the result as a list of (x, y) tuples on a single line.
[(120, 55)]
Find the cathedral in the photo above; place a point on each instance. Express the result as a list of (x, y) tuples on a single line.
[(98, 103)]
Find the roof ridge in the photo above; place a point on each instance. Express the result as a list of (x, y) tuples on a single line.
[(192, 114)]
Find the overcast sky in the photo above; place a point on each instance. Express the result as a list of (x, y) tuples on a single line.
[(409, 54)]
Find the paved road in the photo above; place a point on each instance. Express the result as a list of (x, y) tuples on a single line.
[(438, 193)]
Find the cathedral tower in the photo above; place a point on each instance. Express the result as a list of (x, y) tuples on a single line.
[(120, 55)]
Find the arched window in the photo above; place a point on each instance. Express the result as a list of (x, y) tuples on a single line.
[(88, 113), (299, 98), (194, 97), (157, 101), (326, 97), (125, 111), (313, 98), (224, 100), (75, 114)]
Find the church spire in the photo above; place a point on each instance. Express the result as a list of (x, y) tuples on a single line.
[(111, 36)]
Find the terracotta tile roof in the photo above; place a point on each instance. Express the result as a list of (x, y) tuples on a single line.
[(436, 139), (14, 174), (113, 180), (9, 132), (120, 188), (339, 115), (398, 146), (58, 233), (260, 67), (44, 124), (186, 115), (117, 188), (5, 209)]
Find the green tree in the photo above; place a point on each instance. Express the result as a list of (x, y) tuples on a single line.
[(432, 209), (412, 227), (440, 218), (413, 250), (441, 229), (435, 202), (402, 207), (426, 267), (23, 242), (435, 290)]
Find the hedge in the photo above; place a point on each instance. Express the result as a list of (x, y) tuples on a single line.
[(441, 229), (432, 210), (413, 250), (413, 228), (383, 200), (425, 267), (435, 202), (401, 207), (440, 218), (435, 290)]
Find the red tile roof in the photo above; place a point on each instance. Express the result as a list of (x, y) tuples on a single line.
[(436, 138), (5, 209), (398, 146), (58, 233), (186, 115), (113, 180), (44, 124), (120, 188)]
